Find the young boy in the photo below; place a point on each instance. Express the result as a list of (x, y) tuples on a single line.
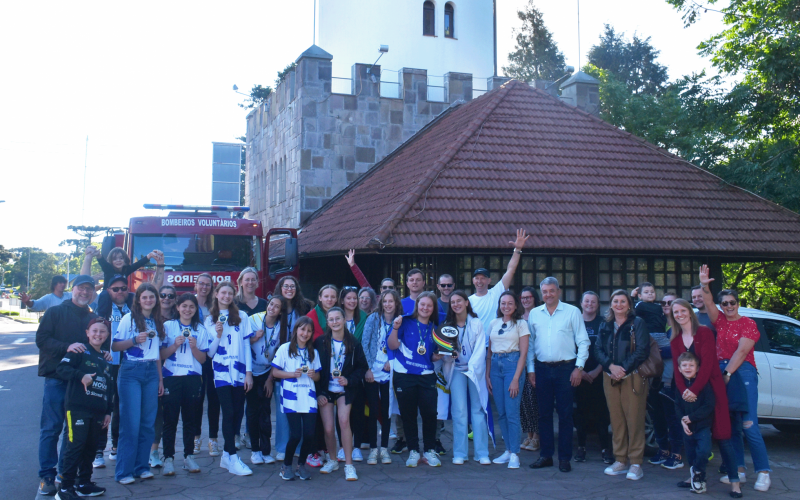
[(696, 421), (650, 311), (88, 404)]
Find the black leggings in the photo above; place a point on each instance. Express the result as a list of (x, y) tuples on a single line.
[(592, 409), (301, 425), (417, 393), (259, 421), (181, 400), (378, 400), (213, 401), (231, 402)]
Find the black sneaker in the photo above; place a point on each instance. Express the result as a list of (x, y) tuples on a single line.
[(89, 490), (608, 457), (47, 486), (580, 455), (399, 446), (438, 448), (68, 494)]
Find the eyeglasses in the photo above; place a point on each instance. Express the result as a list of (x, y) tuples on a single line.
[(726, 303), (502, 329), (168, 295), (288, 287), (447, 285), (205, 285), (117, 289)]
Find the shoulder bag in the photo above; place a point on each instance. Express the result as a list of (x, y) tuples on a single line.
[(653, 366)]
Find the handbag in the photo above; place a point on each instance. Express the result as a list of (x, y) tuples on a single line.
[(653, 366)]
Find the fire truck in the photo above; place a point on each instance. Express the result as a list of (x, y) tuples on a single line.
[(195, 240)]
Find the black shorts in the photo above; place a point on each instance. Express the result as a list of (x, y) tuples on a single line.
[(332, 397)]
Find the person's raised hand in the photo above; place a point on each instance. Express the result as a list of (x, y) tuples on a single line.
[(397, 322), (704, 279), (522, 237), (351, 257)]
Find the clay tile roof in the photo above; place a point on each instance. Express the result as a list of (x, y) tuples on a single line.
[(518, 157)]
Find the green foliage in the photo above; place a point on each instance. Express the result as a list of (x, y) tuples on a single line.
[(9, 313), (282, 74), (43, 267), (632, 63), (536, 55), (258, 95), (771, 286), (5, 255)]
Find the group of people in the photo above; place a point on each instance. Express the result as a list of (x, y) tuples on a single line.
[(149, 359)]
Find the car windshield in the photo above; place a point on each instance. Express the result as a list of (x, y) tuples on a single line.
[(200, 252)]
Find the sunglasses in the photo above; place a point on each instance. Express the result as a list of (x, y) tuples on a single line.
[(666, 302), (168, 295), (447, 285), (117, 289), (502, 329), (726, 303), (349, 288), (387, 288)]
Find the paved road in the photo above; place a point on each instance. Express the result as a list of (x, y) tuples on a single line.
[(20, 400)]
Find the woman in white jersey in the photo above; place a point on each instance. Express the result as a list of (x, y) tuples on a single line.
[(183, 351), (204, 291), (138, 337), (231, 360)]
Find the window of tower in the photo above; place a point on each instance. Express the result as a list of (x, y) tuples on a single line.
[(428, 19), (449, 23)]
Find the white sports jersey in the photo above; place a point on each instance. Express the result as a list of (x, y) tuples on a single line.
[(263, 350), (232, 360), (148, 351), (182, 362), (299, 394)]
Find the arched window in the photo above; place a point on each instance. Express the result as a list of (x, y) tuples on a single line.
[(449, 23), (428, 19)]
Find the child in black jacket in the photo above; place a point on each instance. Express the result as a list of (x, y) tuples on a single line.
[(88, 404), (696, 420)]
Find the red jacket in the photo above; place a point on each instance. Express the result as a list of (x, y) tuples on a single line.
[(317, 327), (705, 348)]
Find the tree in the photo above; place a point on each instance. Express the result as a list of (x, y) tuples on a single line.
[(258, 96), (79, 245), (90, 232), (536, 55), (5, 255), (631, 62), (771, 286), (285, 71)]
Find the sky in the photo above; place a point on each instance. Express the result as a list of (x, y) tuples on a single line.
[(150, 84)]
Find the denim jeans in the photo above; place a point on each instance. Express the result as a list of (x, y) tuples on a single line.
[(281, 422), (463, 389), (51, 425), (504, 366), (698, 449), (726, 447), (758, 450), (554, 391), (138, 404)]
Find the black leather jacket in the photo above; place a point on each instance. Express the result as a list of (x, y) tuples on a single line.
[(615, 349)]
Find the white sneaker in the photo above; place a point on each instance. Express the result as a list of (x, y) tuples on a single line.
[(213, 448), (225, 461), (238, 467), (635, 473), (763, 482), (330, 466), (742, 478), (268, 459), (433, 458), (357, 456), (127, 480), (340, 455), (99, 461), (386, 458), (155, 461), (146, 475), (513, 461), (280, 456), (169, 467), (458, 461), (373, 457), (256, 458), (503, 459), (413, 459), (196, 446), (350, 473), (616, 469), (485, 461), (190, 465), (112, 455)]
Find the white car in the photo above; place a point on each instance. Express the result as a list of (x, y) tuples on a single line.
[(777, 355)]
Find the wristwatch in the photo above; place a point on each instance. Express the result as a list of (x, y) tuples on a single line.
[(579, 368), (726, 373)]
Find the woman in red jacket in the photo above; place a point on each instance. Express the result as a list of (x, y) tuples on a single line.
[(326, 299), (688, 335)]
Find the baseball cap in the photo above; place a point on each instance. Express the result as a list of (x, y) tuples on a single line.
[(117, 277), (83, 279), (481, 270)]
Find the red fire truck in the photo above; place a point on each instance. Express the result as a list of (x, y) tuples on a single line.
[(195, 240)]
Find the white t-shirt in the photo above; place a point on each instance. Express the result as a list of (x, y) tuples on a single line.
[(508, 341), (116, 316), (265, 347), (462, 361), (337, 361), (148, 351), (382, 356), (232, 360), (486, 306), (182, 362), (299, 394)]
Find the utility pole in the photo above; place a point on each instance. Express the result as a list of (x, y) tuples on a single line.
[(28, 286), (85, 155)]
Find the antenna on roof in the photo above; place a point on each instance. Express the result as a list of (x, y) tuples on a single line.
[(579, 34), (315, 22)]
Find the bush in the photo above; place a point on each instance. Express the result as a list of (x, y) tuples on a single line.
[(9, 313)]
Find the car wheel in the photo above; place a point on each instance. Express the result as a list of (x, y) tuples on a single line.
[(650, 444)]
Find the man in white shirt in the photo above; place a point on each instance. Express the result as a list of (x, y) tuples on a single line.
[(485, 300), (559, 347), (57, 286)]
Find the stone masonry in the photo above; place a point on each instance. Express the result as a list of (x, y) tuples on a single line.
[(305, 144)]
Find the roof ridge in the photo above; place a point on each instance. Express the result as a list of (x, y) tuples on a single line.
[(399, 213)]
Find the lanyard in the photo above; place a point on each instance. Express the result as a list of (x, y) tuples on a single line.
[(422, 338), (303, 356), (337, 358), (272, 330)]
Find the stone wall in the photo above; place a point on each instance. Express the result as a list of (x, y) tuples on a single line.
[(322, 141)]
